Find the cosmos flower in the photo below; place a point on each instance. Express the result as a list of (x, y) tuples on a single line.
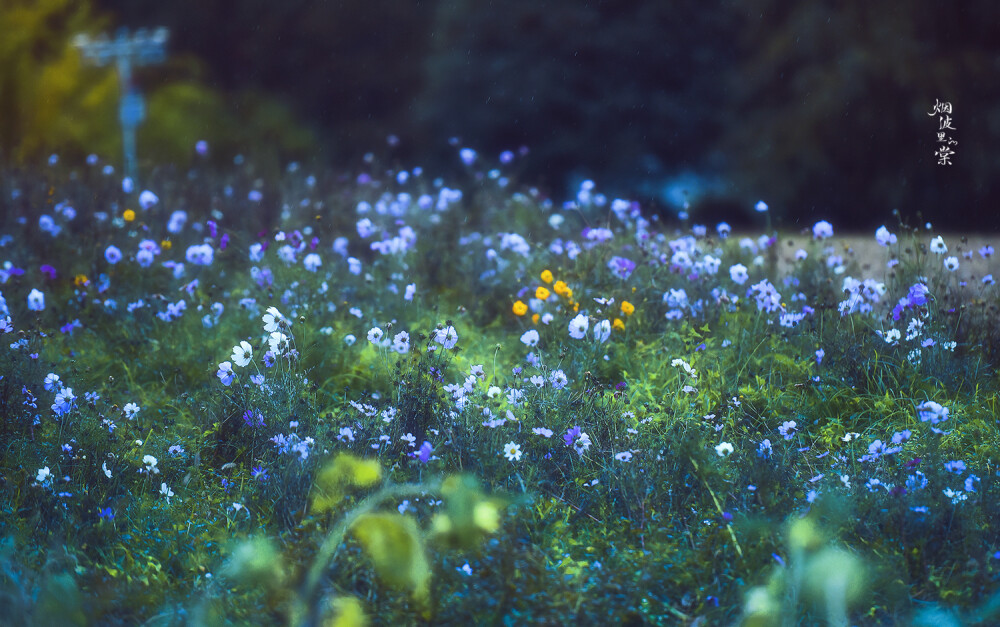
[(512, 451), (36, 300), (738, 273), (822, 230), (112, 254), (225, 373), (884, 237), (530, 338), (272, 319), (242, 354), (446, 337), (578, 327), (147, 199)]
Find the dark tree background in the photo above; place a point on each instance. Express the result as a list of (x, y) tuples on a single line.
[(821, 108)]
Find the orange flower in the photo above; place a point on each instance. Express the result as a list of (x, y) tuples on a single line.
[(129, 215), (520, 308), (546, 276), (542, 293), (628, 308), (618, 325), (534, 318)]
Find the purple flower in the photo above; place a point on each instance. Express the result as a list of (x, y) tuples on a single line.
[(49, 271), (424, 454), (571, 435), (252, 420), (259, 473), (621, 267)]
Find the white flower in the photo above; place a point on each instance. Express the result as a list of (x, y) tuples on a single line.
[(350, 339), (761, 206), (43, 475), (107, 472), (446, 337), (272, 319), (166, 491), (624, 456), (401, 343), (892, 335), (276, 341), (951, 264), (311, 262), (150, 463), (242, 354), (602, 331), (493, 392), (738, 273), (723, 449), (147, 199), (36, 301), (938, 246), (884, 237), (410, 292), (374, 335), (558, 379), (686, 366), (130, 410), (512, 452), (530, 338), (578, 327), (822, 230)]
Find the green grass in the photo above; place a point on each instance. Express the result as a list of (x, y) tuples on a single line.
[(663, 506)]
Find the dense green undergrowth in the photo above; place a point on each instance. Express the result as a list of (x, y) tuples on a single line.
[(571, 414)]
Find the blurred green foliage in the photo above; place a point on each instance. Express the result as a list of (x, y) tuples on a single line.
[(52, 101)]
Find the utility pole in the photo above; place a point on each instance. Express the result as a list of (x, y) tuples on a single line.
[(143, 48)]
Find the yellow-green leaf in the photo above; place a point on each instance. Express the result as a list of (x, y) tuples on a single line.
[(346, 611), (393, 542), (344, 472)]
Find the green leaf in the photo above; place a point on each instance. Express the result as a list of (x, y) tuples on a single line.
[(393, 542), (345, 471)]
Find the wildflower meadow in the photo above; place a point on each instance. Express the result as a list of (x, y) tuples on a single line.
[(379, 397)]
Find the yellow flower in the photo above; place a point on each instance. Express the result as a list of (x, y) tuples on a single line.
[(568, 293), (628, 308), (129, 215), (81, 280), (542, 293), (534, 318), (165, 244), (560, 288), (618, 325), (520, 308), (546, 276)]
